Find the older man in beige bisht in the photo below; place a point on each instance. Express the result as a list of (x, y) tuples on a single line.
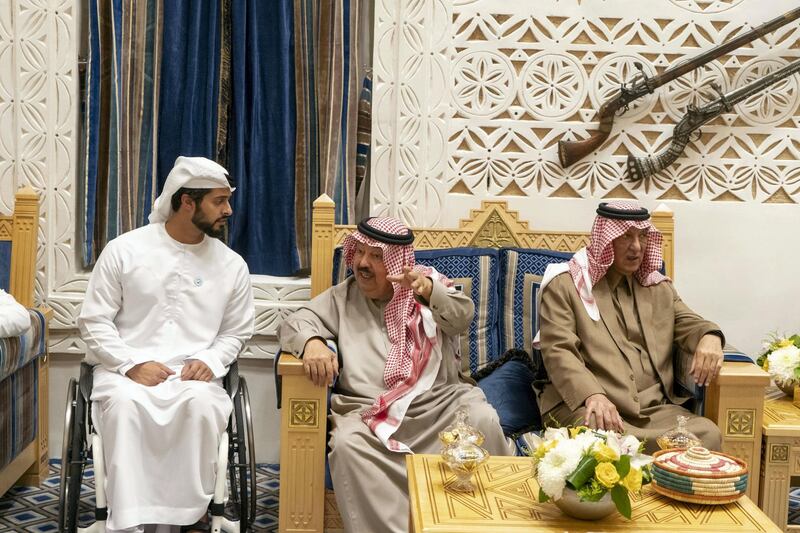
[(397, 328), (608, 321)]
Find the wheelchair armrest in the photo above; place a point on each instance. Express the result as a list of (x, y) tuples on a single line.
[(86, 380), (231, 380)]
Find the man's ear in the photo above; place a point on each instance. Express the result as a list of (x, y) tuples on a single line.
[(187, 203)]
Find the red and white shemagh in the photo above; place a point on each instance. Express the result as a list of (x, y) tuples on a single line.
[(590, 264), (600, 252), (412, 337)]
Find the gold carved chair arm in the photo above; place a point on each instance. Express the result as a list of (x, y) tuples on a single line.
[(304, 412)]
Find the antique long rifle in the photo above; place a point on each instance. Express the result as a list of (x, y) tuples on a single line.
[(570, 152), (695, 117)]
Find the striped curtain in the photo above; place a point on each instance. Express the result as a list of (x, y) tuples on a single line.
[(119, 115), (327, 94)]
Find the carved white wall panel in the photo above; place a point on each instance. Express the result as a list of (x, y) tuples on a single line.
[(519, 75), (523, 74), (411, 129)]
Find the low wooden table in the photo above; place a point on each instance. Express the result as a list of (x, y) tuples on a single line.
[(505, 500), (781, 456)]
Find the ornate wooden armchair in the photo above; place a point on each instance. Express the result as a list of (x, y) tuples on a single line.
[(734, 401), (21, 460)]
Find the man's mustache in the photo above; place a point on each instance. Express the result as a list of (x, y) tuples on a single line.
[(364, 270)]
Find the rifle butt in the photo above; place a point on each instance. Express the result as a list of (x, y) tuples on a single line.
[(570, 152), (640, 168)]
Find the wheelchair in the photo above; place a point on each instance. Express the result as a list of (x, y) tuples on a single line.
[(82, 445)]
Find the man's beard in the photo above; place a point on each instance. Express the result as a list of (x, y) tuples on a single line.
[(208, 227)]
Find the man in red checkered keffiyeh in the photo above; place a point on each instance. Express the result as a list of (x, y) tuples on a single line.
[(396, 326), (608, 322)]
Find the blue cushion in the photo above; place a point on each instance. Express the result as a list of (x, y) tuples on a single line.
[(476, 271), (5, 264), (521, 271), (508, 389)]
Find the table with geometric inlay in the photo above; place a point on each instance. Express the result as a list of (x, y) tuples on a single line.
[(780, 458), (504, 499)]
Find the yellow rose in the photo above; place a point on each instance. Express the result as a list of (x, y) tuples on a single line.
[(783, 343), (633, 481), (604, 453), (606, 475), (577, 430)]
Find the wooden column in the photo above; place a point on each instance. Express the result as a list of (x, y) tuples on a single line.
[(24, 235), (735, 402)]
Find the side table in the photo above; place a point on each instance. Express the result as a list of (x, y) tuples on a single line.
[(780, 458)]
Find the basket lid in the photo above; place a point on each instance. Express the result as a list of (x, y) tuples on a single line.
[(699, 462)]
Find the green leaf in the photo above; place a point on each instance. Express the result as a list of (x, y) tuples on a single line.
[(797, 372), (543, 497), (621, 499), (591, 491), (795, 340), (760, 360), (582, 473), (647, 475), (623, 466)]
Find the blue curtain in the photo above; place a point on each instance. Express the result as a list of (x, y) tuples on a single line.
[(261, 135), (189, 90), (117, 189), (224, 74)]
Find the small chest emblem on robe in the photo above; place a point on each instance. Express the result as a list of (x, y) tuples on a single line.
[(198, 282)]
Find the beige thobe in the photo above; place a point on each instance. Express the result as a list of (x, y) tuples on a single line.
[(370, 481), (626, 355)]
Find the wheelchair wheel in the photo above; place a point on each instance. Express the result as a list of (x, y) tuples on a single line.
[(73, 450), (242, 458)]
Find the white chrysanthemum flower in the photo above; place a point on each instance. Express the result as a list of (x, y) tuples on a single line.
[(783, 361), (556, 465), (551, 480)]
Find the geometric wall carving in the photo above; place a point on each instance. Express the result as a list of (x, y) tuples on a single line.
[(471, 97)]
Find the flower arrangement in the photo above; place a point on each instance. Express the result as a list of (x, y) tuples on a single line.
[(592, 463), (781, 358)]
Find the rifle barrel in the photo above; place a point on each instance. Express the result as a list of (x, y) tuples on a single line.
[(643, 167), (571, 151), (726, 47)]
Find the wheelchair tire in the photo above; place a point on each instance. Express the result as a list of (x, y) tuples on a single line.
[(241, 458), (72, 459)]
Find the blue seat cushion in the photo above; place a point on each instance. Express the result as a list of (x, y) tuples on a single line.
[(521, 271), (475, 271), (506, 383)]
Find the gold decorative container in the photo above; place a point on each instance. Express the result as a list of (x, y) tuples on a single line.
[(462, 450)]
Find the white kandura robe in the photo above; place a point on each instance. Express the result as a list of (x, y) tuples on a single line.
[(151, 298)]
